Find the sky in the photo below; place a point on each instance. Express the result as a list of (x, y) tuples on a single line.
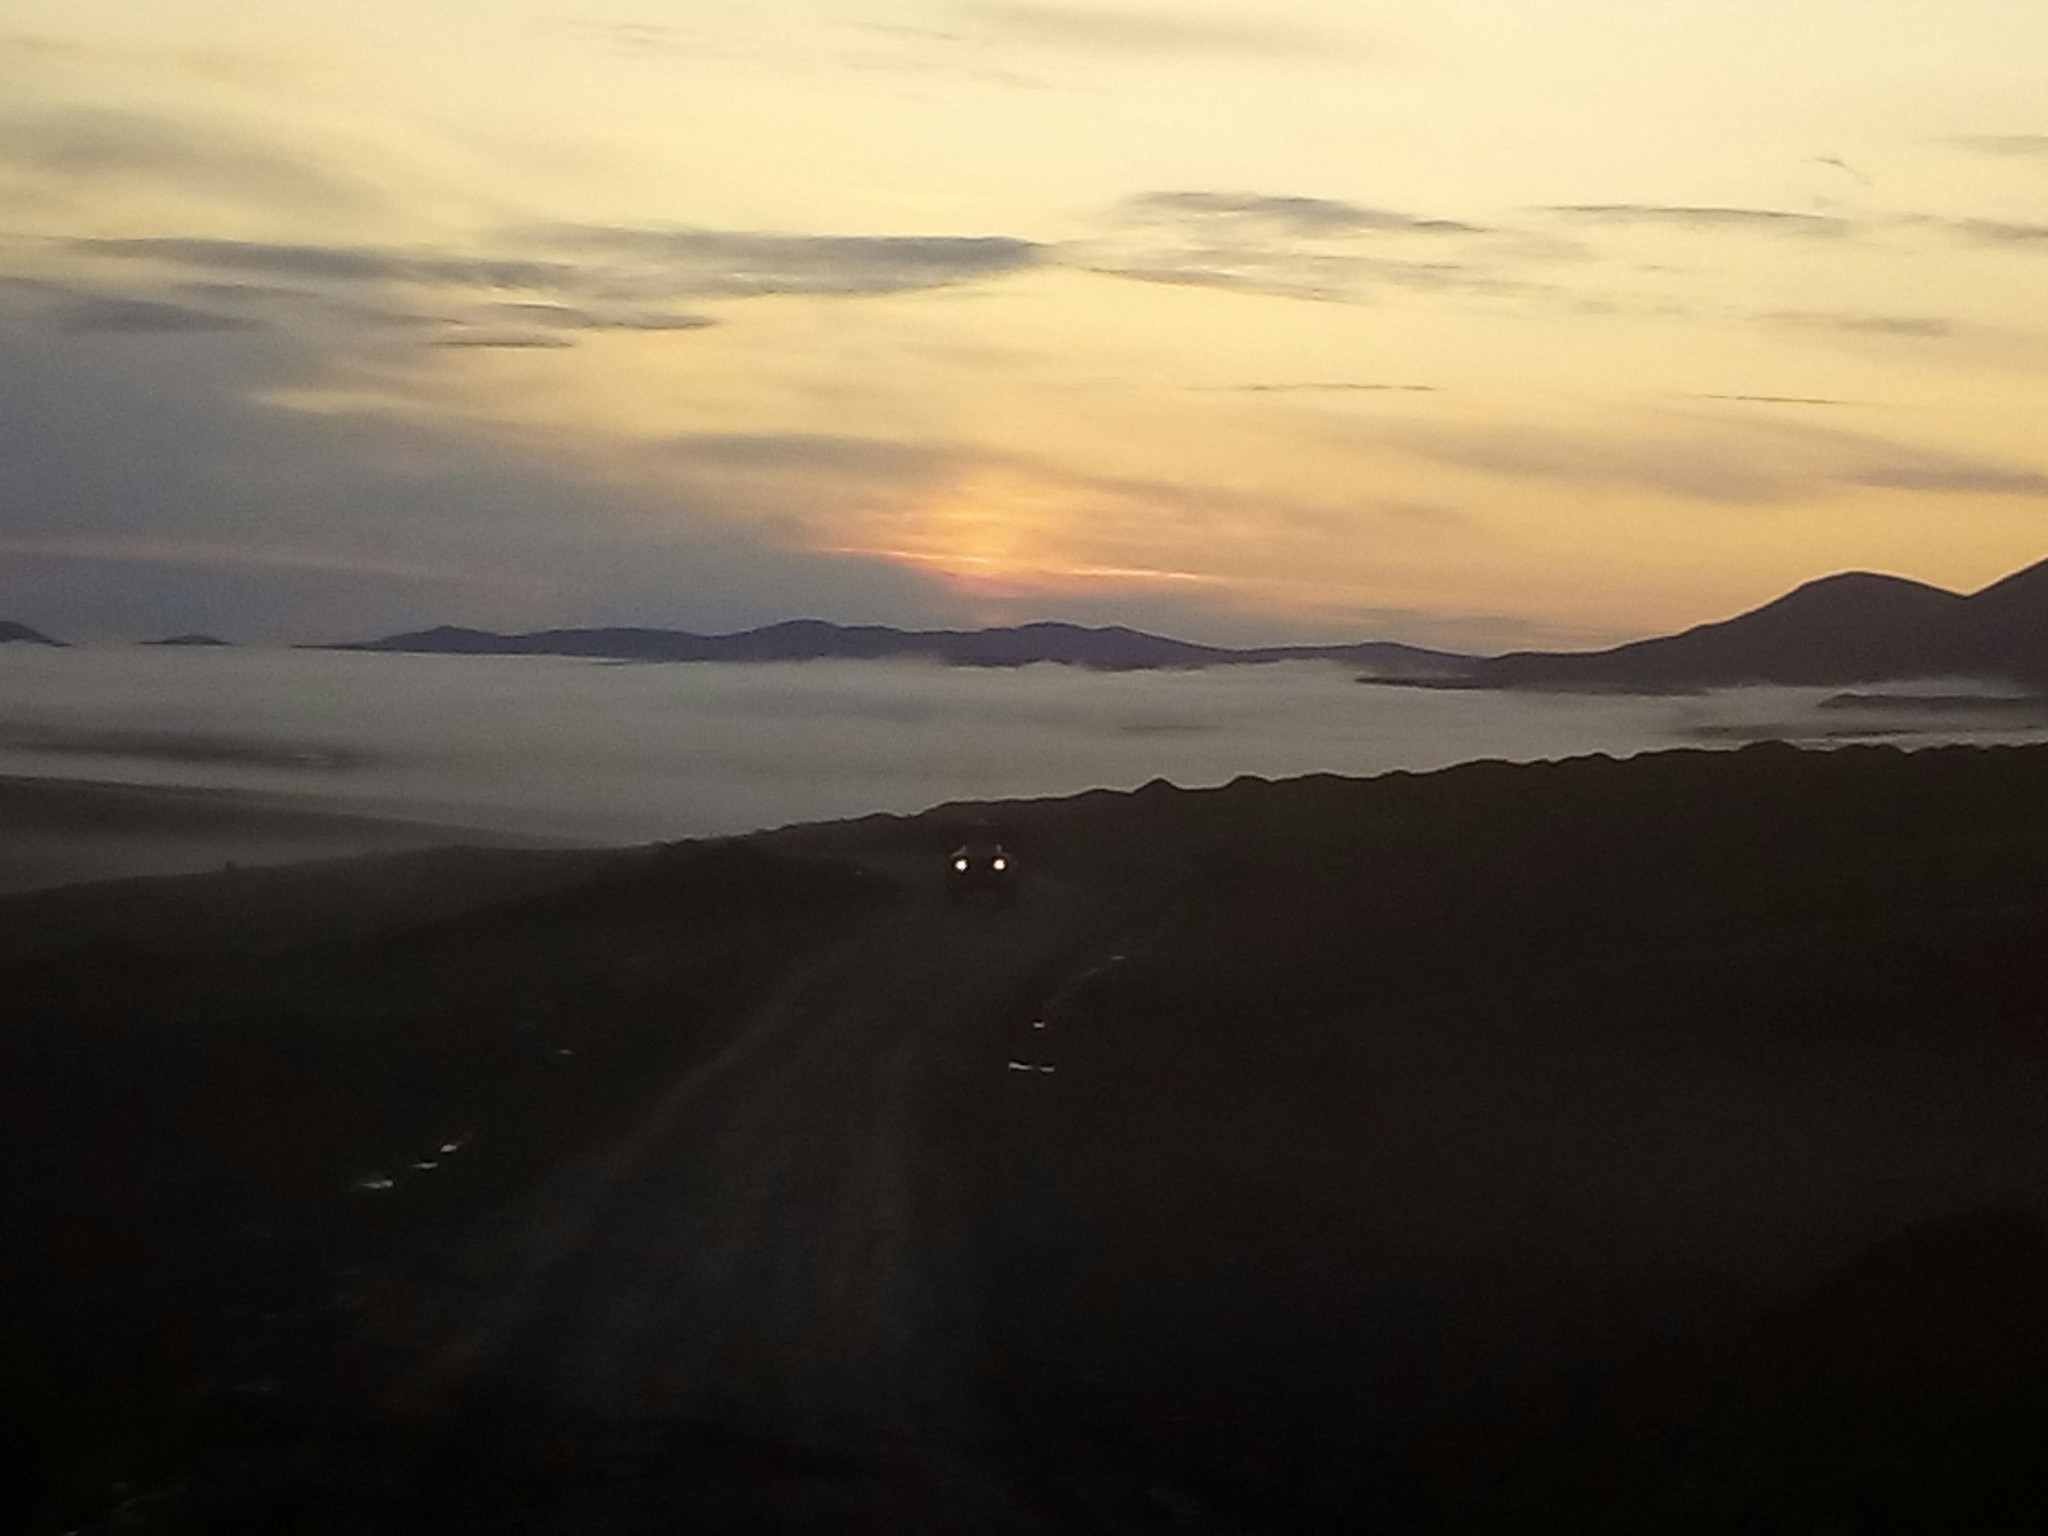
[(1478, 324)]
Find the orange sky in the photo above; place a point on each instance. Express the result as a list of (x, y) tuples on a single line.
[(1477, 324)]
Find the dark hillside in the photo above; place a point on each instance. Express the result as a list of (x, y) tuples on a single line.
[(1586, 1146), (209, 1130), (271, 908), (10, 631), (2010, 619), (1470, 1108), (57, 831), (1850, 628)]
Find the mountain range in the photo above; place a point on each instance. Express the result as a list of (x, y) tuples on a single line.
[(1855, 627), (1111, 649)]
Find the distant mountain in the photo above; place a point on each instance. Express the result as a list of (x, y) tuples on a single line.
[(1856, 627), (190, 640), (1113, 649), (1851, 628), (10, 631)]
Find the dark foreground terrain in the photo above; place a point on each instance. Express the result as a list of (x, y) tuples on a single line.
[(56, 831), (1578, 1147)]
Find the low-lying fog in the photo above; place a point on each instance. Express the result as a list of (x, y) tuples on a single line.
[(604, 751)]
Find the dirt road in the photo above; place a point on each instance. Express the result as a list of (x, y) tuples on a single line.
[(781, 1253)]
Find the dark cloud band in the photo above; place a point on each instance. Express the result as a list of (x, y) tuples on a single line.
[(624, 264), (1865, 324), (710, 263), (2008, 146), (1110, 30), (1761, 220), (120, 316), (338, 263), (1300, 216)]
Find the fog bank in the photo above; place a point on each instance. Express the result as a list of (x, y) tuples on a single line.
[(611, 752)]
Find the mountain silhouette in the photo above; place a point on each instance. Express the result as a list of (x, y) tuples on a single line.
[(1856, 627), (10, 631), (2010, 618), (1111, 649), (194, 639)]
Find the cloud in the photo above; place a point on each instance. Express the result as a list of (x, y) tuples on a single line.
[(1865, 324), (999, 523), (1118, 31), (120, 316), (338, 263), (1287, 246), (710, 263), (1289, 215), (1996, 232), (1284, 272), (2007, 146), (244, 293), (35, 287), (1325, 281), (272, 300), (1692, 467), (1836, 162), (203, 62), (624, 264), (1733, 461), (202, 554), (1760, 220), (1840, 457), (1958, 477), (862, 47), (1335, 388), (145, 493), (637, 39), (273, 522), (73, 145), (1776, 399), (146, 484), (214, 305), (549, 285), (571, 318), (514, 341), (818, 453)]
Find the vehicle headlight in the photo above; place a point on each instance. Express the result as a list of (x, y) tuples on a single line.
[(960, 864), (1002, 863)]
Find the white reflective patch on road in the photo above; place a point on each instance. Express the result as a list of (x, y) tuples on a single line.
[(1020, 1066), (374, 1181), (1038, 1023), (1045, 1066)]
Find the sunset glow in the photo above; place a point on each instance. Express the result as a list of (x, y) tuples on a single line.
[(1479, 325)]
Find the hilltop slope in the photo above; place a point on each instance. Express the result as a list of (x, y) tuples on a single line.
[(1852, 628)]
